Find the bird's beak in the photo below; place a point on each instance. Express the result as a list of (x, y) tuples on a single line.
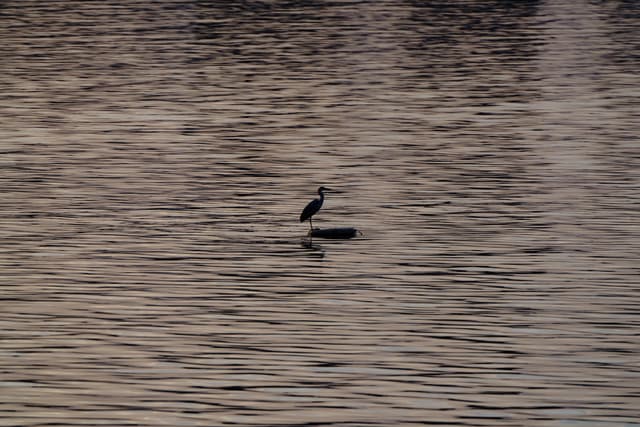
[(331, 190)]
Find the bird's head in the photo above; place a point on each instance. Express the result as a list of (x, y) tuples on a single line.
[(322, 189)]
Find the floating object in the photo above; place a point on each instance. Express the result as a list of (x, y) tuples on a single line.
[(335, 233), (313, 207)]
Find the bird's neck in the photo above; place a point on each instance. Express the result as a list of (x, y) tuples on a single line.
[(321, 195)]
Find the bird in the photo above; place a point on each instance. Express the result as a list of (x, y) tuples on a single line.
[(313, 207)]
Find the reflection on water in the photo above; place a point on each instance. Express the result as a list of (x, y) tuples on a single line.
[(155, 159)]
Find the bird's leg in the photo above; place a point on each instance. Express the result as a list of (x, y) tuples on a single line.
[(311, 225)]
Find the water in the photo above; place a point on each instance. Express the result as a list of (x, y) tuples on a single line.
[(155, 159)]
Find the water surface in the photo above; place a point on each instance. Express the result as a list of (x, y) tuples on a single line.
[(155, 157)]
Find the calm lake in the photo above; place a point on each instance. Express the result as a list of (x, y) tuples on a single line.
[(155, 157)]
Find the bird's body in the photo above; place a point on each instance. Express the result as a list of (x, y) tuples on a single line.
[(313, 207)]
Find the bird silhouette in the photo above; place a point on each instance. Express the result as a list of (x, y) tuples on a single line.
[(313, 207)]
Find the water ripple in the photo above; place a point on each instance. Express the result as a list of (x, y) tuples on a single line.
[(155, 158)]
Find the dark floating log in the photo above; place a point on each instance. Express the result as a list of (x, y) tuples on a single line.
[(335, 233)]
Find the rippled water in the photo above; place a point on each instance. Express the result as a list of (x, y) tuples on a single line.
[(155, 157)]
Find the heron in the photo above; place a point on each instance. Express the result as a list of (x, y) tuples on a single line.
[(313, 207)]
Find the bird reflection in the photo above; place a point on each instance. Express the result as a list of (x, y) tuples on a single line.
[(314, 249)]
